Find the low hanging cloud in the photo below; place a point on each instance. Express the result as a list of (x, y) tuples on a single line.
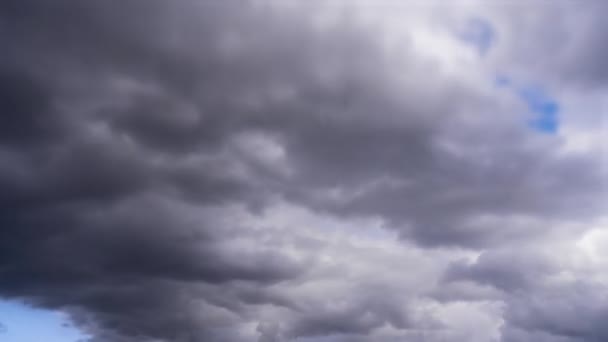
[(275, 171)]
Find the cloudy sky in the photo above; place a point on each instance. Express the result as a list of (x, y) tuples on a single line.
[(312, 171)]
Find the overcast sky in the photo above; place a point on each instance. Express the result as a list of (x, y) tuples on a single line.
[(313, 171)]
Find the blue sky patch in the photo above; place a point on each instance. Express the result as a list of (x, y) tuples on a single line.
[(547, 123), (22, 323), (544, 108), (480, 34)]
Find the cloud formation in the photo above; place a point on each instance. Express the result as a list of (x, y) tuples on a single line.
[(276, 171)]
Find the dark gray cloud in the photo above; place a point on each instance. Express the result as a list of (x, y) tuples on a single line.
[(121, 159), (572, 312), (540, 301), (506, 271), (141, 143)]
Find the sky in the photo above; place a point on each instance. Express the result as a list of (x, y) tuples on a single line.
[(22, 323), (303, 171)]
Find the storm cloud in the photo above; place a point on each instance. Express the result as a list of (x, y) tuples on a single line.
[(323, 171)]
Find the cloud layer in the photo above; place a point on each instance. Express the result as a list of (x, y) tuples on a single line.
[(277, 171)]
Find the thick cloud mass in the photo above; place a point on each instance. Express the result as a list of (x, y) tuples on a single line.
[(276, 171)]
